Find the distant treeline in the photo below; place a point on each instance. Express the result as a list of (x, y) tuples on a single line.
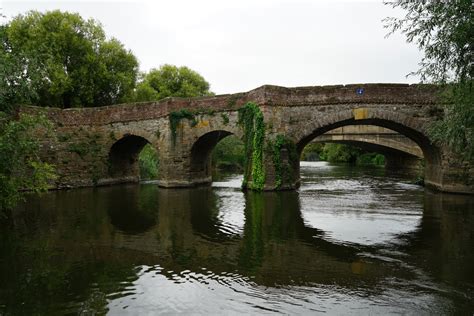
[(340, 153)]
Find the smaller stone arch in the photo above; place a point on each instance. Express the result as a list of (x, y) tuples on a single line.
[(123, 158), (201, 155)]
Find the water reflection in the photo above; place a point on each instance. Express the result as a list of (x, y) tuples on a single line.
[(134, 214), (140, 249)]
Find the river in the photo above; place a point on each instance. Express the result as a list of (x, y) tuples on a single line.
[(351, 240)]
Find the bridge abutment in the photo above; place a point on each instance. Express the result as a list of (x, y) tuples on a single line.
[(450, 174)]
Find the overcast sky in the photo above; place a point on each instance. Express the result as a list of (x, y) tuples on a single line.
[(243, 44)]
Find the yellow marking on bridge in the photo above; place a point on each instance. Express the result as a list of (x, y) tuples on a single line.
[(203, 123), (360, 113)]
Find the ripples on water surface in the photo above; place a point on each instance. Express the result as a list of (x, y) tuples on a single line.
[(351, 241)]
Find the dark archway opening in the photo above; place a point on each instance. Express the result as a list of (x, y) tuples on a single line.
[(215, 153), (124, 162), (429, 151), (400, 150)]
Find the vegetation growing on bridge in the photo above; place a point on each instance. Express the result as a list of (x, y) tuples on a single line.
[(176, 116), (284, 172), (251, 119)]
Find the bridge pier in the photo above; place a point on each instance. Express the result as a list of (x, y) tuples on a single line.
[(175, 171)]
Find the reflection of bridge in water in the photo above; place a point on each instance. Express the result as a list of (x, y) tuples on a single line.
[(184, 230)]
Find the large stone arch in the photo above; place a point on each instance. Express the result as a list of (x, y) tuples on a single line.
[(408, 126)]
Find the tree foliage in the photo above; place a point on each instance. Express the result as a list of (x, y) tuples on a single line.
[(444, 31), (17, 84), (75, 63), (171, 81), (148, 162), (339, 153), (229, 154), (21, 167)]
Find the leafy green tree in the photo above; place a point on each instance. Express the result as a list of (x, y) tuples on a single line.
[(228, 153), (17, 84), (444, 31), (340, 153), (148, 162), (171, 81), (312, 152), (20, 165), (76, 64)]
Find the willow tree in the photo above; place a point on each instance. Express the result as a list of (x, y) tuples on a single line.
[(444, 31)]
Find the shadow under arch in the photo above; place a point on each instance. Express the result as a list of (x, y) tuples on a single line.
[(123, 158), (395, 159), (398, 122), (201, 154)]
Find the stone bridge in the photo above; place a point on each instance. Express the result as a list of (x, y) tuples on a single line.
[(100, 146)]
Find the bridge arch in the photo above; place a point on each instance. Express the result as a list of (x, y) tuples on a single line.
[(201, 153), (408, 126), (123, 158)]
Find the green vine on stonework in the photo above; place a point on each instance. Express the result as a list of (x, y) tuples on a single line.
[(251, 119), (258, 174), (284, 172), (176, 116), (225, 118)]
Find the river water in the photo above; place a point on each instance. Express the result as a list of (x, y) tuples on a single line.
[(351, 240)]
